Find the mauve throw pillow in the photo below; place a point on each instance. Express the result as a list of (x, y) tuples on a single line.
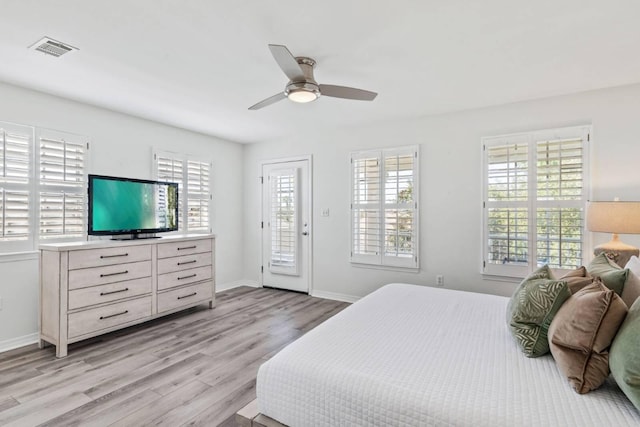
[(577, 279), (532, 307), (581, 333)]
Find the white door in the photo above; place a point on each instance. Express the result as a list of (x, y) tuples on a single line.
[(286, 225)]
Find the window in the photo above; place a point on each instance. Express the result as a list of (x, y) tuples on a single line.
[(63, 187), (42, 186), (384, 207), (535, 187), (283, 220), (194, 188)]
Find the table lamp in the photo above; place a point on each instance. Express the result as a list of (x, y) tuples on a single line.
[(616, 218)]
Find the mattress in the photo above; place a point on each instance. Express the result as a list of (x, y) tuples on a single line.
[(409, 355)]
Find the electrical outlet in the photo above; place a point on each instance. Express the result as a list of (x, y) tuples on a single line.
[(439, 280), (325, 212)]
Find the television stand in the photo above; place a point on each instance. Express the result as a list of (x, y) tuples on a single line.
[(135, 236)]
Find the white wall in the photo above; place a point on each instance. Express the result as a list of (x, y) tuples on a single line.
[(121, 146), (450, 191)]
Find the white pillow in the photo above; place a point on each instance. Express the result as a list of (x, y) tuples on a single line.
[(631, 290), (634, 265)]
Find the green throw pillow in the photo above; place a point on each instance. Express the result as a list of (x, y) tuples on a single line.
[(624, 357), (611, 274), (532, 307)]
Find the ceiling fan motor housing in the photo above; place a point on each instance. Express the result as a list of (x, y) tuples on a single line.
[(305, 89)]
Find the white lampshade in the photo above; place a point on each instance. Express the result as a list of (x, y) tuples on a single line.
[(616, 218)]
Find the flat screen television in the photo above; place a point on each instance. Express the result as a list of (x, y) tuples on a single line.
[(133, 207)]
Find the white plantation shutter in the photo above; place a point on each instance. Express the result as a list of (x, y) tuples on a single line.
[(171, 169), (198, 195), (365, 207), (283, 220), (507, 164), (15, 215), (384, 207), (42, 186), (399, 206), (62, 169), (560, 201), (16, 185), (194, 188), (534, 200)]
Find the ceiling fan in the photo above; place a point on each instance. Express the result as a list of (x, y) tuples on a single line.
[(302, 87)]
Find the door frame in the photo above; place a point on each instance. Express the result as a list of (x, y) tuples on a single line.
[(309, 189)]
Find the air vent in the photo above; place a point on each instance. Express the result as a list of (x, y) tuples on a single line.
[(52, 47)]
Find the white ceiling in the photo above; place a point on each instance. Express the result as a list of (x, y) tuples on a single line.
[(199, 64)]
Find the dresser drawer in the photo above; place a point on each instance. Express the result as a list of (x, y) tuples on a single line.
[(108, 256), (109, 274), (166, 250), (95, 319), (168, 265), (184, 277), (187, 295), (93, 295)]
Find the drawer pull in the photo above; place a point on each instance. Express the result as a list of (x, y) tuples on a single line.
[(113, 292), (187, 296), (187, 277), (112, 256), (188, 262), (187, 247), (114, 315), (114, 274)]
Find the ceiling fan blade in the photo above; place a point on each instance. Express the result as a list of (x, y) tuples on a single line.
[(270, 100), (287, 62), (347, 92)]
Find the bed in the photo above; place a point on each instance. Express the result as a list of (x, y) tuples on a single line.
[(409, 355)]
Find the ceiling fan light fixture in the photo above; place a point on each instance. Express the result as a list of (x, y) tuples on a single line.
[(302, 96)]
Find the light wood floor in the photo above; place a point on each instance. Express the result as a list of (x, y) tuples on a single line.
[(193, 368)]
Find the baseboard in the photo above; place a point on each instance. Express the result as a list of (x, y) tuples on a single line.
[(237, 284), (335, 296), (12, 343)]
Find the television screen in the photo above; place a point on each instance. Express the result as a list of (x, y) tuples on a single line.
[(131, 206)]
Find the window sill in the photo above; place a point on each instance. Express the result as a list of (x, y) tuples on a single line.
[(19, 256), (386, 267), (506, 279)]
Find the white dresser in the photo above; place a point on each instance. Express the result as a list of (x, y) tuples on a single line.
[(90, 288)]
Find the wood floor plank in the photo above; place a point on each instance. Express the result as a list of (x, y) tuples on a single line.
[(146, 373), (42, 409), (218, 412), (105, 410), (148, 414), (22, 391), (195, 367), (87, 379), (8, 402), (13, 376)]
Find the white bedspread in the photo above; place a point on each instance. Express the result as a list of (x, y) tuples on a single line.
[(409, 355)]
